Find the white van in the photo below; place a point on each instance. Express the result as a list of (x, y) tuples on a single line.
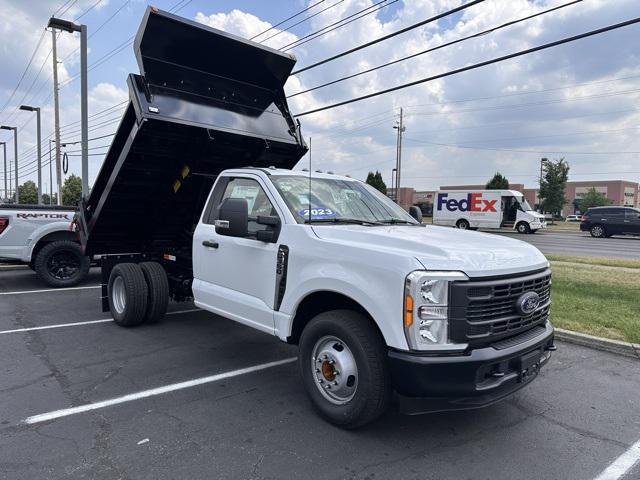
[(473, 209)]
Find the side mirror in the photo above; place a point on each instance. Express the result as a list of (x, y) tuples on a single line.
[(233, 218), (416, 213), (270, 235)]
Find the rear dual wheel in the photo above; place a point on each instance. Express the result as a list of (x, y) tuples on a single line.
[(138, 293)]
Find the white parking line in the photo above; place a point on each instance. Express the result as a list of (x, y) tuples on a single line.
[(622, 464), (44, 290), (43, 417), (76, 324)]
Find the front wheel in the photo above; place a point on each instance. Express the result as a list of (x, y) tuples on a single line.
[(462, 224), (523, 228), (598, 231), (61, 264), (342, 360)]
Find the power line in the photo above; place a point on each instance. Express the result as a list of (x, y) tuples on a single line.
[(87, 10), (302, 21), (340, 23), (476, 65), (438, 47), (35, 50), (386, 37), (567, 152), (287, 19)]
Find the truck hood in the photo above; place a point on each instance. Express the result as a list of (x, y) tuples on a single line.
[(443, 248), (535, 214)]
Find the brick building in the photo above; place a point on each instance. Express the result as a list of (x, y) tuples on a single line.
[(620, 192)]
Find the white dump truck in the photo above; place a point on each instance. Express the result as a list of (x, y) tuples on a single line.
[(197, 199)]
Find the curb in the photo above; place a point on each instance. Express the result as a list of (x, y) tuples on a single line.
[(598, 343)]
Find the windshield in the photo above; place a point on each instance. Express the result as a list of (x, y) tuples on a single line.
[(524, 204), (338, 201)]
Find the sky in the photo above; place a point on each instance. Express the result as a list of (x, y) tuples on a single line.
[(580, 101)]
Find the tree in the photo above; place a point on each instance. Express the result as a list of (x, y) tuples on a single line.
[(376, 181), (45, 199), (553, 185), (593, 198), (72, 190), (498, 182), (28, 193)]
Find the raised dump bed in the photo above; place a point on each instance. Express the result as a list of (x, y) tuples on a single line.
[(204, 101)]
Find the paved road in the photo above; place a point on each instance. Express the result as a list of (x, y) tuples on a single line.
[(580, 415), (580, 243)]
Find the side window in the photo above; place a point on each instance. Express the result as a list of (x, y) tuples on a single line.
[(631, 214), (257, 200), (211, 212)]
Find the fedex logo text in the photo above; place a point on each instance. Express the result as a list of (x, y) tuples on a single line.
[(473, 203)]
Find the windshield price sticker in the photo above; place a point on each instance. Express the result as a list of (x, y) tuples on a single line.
[(319, 212)]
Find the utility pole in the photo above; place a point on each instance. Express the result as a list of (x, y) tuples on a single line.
[(542, 162), (37, 110), (4, 147), (56, 115), (401, 128), (15, 154)]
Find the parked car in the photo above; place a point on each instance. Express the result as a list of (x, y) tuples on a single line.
[(573, 218), (376, 301), (603, 222), (42, 237)]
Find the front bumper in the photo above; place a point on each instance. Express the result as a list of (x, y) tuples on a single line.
[(426, 384)]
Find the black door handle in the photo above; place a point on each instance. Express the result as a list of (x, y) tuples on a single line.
[(210, 243)]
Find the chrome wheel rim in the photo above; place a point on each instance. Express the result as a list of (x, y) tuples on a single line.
[(334, 370), (597, 231), (118, 295)]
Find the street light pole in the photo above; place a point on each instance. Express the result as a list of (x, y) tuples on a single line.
[(37, 110), (4, 147), (67, 26), (51, 173), (15, 154)]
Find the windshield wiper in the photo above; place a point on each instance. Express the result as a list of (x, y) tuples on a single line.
[(395, 221), (358, 221)]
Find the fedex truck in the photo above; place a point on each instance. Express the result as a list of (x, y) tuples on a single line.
[(473, 209)]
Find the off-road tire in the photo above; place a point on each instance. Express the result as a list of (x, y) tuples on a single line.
[(158, 285), (373, 390), (132, 308), (51, 259)]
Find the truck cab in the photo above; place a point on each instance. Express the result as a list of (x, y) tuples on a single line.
[(304, 256)]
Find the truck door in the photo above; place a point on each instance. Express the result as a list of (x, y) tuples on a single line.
[(233, 276)]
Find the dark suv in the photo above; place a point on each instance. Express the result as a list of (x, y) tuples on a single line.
[(606, 221)]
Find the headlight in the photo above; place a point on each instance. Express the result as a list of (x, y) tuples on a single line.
[(426, 303)]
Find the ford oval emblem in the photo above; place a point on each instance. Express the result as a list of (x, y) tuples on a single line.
[(527, 303)]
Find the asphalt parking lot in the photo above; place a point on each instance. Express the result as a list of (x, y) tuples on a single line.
[(580, 243), (578, 417)]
